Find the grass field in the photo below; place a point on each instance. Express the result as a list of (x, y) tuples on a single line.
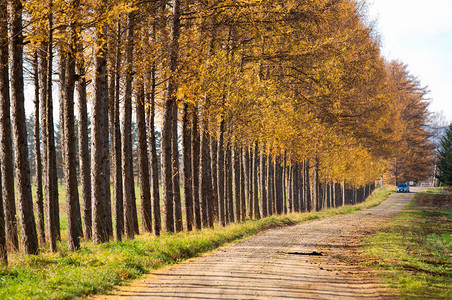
[(97, 268), (414, 251)]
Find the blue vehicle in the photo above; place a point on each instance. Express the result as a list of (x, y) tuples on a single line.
[(403, 188)]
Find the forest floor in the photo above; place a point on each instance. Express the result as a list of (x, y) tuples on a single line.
[(315, 260)]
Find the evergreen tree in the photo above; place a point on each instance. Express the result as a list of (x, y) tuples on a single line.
[(444, 153)]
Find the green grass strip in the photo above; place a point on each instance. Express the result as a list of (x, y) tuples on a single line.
[(97, 268), (414, 253)]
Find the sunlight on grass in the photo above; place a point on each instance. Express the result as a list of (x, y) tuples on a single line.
[(414, 253)]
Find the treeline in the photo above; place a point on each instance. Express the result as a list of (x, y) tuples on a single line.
[(264, 107)]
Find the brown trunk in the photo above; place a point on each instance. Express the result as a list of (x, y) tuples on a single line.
[(84, 158), (229, 204), (256, 212), (51, 182), (279, 186), (169, 105), (187, 171), (269, 185), (284, 182), (98, 157), (247, 173), (213, 144), (220, 174), (127, 135), (145, 189), (242, 185), (203, 172), (6, 143), (24, 198), (178, 224), (195, 154), (262, 185), (3, 250), (39, 194), (115, 137), (69, 152), (236, 181), (156, 218)]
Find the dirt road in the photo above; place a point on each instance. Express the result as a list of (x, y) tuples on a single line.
[(307, 261)]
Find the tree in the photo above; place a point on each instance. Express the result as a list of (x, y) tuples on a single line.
[(6, 154), (25, 200), (444, 154), (99, 139)]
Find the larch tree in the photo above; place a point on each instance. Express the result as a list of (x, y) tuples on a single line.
[(6, 155), (25, 201), (98, 158)]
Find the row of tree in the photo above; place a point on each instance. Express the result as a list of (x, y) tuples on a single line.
[(264, 107)]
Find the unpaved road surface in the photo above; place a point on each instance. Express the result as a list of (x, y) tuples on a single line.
[(314, 260)]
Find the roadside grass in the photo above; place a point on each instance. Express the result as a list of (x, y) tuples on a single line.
[(97, 268), (414, 251)]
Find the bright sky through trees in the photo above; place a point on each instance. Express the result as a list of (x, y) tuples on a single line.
[(419, 33)]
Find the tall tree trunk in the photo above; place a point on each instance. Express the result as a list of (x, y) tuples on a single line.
[(178, 224), (229, 191), (242, 185), (256, 212), (127, 134), (195, 154), (279, 186), (69, 146), (247, 173), (270, 185), (316, 201), (226, 182), (205, 190), (115, 137), (24, 198), (284, 182), (307, 185), (263, 185), (156, 218), (213, 144), (39, 194), (6, 153), (84, 157), (98, 157), (51, 182), (187, 170), (220, 174), (3, 249), (236, 180), (145, 189), (169, 105)]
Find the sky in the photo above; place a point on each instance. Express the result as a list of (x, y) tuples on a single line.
[(419, 34)]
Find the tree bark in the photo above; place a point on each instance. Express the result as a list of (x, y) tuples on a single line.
[(255, 161), (98, 157), (178, 224), (220, 174), (24, 198), (187, 170), (39, 194), (156, 218), (6, 153), (51, 182), (169, 105), (236, 181), (145, 189), (263, 185), (127, 134), (115, 137), (195, 154), (84, 157), (3, 249), (270, 185)]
